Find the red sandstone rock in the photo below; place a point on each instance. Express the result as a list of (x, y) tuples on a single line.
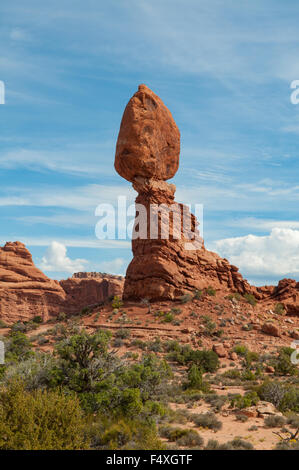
[(219, 350), (26, 292), (271, 329), (148, 143), (164, 267), (233, 356)]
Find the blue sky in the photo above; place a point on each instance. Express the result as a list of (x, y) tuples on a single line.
[(223, 68)]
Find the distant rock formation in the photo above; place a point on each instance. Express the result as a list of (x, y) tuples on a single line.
[(97, 275), (25, 292)]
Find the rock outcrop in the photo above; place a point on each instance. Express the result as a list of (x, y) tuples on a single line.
[(25, 291), (174, 261), (89, 291), (287, 293)]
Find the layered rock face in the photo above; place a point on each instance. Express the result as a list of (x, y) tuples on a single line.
[(287, 293), (89, 291), (163, 267), (26, 292)]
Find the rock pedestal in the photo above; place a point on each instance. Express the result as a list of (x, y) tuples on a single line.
[(174, 261)]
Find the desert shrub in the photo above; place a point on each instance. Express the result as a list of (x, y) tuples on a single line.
[(37, 319), (184, 299), (247, 375), (249, 399), (18, 347), (283, 445), (210, 327), (293, 420), (242, 418), (235, 296), (61, 316), (38, 371), (271, 391), (123, 333), (3, 324), (123, 433), (290, 400), (210, 291), (250, 299), (216, 401), (235, 444), (172, 433), (274, 421), (195, 380), (168, 317), (190, 439), (39, 420), (241, 350), (207, 360), (197, 294), (156, 345), (283, 364), (117, 302), (78, 355), (138, 343), (176, 310), (232, 374), (279, 309), (207, 420)]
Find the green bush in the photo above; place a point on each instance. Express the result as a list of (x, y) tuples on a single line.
[(249, 399), (279, 309), (116, 302), (123, 333), (274, 421), (195, 380), (39, 420), (37, 319), (207, 420), (283, 365), (250, 299), (184, 299), (210, 291)]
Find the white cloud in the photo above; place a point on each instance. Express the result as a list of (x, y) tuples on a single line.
[(275, 255), (56, 259)]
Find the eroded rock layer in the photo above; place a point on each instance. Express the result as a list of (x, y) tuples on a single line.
[(26, 292)]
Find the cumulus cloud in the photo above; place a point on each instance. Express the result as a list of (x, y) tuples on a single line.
[(56, 259), (275, 255)]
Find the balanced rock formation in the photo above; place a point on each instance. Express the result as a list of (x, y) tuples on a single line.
[(148, 143), (174, 260), (25, 292)]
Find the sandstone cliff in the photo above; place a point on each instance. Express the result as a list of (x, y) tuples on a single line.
[(26, 292)]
